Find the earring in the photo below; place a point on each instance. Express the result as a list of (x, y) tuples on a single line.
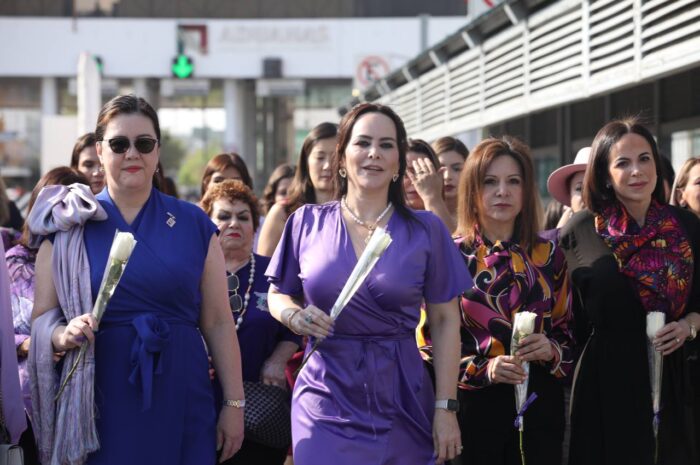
[(101, 169), (342, 172), (395, 177), (608, 185), (157, 170)]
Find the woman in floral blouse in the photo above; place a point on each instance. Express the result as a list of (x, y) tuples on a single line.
[(514, 270)]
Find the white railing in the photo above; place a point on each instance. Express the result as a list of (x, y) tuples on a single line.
[(569, 51)]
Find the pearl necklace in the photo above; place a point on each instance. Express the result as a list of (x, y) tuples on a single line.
[(370, 227), (246, 297)]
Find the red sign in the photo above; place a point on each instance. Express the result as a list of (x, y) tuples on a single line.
[(371, 69)]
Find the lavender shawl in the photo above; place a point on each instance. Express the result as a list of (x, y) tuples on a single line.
[(65, 430), (12, 405)]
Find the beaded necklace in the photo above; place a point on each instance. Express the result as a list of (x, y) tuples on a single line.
[(370, 227), (246, 296)]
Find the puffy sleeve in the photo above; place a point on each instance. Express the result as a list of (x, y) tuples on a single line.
[(446, 275), (284, 269), (560, 334)]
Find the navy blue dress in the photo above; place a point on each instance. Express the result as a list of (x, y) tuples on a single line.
[(152, 391)]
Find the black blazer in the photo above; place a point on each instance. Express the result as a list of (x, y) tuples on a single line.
[(611, 407)]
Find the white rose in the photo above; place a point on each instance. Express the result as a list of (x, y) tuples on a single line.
[(524, 323), (122, 246), (655, 321)]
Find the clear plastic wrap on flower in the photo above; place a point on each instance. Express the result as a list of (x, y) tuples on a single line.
[(523, 326), (119, 254), (376, 246), (122, 247), (655, 321)]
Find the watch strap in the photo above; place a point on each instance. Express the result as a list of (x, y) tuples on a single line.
[(239, 403), (447, 404)]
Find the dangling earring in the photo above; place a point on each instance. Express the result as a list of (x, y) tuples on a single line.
[(395, 177), (608, 185), (342, 172)]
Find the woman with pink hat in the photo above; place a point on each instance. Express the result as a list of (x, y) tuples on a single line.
[(565, 185)]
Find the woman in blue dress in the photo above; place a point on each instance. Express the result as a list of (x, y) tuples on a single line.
[(153, 398)]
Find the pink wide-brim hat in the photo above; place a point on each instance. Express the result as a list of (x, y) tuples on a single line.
[(557, 184)]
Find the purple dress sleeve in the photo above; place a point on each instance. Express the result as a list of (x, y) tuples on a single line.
[(446, 275), (283, 271)]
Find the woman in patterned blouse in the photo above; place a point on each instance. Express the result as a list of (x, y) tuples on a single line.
[(514, 270)]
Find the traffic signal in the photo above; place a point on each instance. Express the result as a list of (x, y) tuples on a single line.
[(182, 67)]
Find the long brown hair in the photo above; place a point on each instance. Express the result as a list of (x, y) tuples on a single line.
[(302, 190), (396, 193), (283, 171), (422, 147), (471, 182), (450, 144), (83, 142), (596, 193), (221, 163)]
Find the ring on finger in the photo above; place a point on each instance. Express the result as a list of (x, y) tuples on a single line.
[(309, 319), (678, 341)]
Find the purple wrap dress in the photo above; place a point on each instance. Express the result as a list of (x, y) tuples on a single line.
[(365, 396)]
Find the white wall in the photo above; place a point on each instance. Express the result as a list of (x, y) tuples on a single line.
[(318, 48), (58, 135)]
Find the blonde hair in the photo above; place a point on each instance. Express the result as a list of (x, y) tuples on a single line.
[(682, 180)]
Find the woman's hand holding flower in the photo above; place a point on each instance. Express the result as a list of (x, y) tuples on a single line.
[(75, 333), (312, 321), (535, 347), (672, 336), (506, 369)]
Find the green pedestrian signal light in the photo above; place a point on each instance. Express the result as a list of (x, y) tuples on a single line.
[(182, 67)]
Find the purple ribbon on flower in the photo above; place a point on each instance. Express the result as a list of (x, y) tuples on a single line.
[(521, 412)]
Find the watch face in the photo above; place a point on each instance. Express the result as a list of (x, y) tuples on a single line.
[(452, 405)]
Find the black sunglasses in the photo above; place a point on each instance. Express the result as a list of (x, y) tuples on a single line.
[(121, 144), (234, 299)]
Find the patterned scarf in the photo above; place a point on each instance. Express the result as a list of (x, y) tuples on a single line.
[(509, 280), (656, 257)]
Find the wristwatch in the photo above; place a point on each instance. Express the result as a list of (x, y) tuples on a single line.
[(448, 404), (235, 403), (693, 331)]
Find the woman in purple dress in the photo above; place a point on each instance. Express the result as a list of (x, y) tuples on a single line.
[(364, 395)]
